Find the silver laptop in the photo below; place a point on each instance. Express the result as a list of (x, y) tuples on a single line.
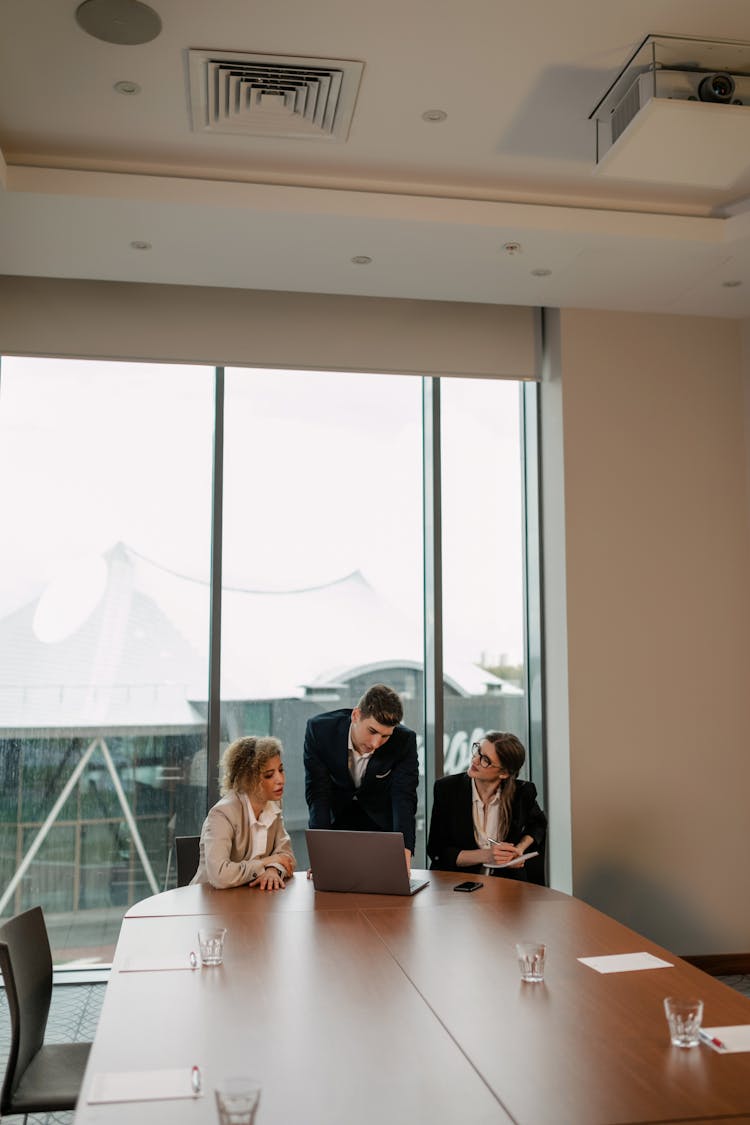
[(370, 863)]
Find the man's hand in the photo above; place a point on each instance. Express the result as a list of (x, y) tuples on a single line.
[(407, 853)]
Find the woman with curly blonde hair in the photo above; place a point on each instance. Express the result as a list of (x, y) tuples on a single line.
[(243, 839)]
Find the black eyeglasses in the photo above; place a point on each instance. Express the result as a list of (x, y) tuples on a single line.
[(483, 759)]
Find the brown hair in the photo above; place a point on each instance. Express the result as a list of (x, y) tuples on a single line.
[(244, 760), (382, 704), (511, 755)]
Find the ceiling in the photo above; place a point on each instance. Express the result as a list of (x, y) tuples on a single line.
[(88, 171)]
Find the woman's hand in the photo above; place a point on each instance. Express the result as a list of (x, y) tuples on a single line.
[(284, 861), (505, 852), (470, 857), (270, 880)]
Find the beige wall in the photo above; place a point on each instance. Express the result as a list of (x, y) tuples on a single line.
[(318, 331), (658, 623)]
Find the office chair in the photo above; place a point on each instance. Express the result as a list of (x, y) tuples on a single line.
[(188, 852), (38, 1078), (536, 869)]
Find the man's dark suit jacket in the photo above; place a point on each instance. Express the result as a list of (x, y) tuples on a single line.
[(387, 799), (452, 825)]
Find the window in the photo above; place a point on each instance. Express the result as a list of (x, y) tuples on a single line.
[(482, 557), (322, 560), (106, 592), (103, 635)]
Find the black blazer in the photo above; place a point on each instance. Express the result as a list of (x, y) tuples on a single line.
[(387, 799), (452, 826)]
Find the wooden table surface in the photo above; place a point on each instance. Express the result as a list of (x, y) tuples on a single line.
[(378, 1010)]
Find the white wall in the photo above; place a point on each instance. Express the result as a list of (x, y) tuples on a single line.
[(658, 623)]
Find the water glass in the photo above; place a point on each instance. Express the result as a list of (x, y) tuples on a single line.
[(684, 1019), (211, 942), (237, 1101), (531, 960)]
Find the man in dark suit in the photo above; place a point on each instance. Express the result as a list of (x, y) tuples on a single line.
[(361, 768)]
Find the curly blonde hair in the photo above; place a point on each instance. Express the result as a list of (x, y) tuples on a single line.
[(243, 762)]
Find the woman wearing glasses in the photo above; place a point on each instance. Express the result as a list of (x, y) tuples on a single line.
[(486, 817)]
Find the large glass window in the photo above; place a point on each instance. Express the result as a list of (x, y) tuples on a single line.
[(322, 561), (105, 511), (482, 557), (105, 596)]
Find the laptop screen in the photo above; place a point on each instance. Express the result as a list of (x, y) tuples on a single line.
[(360, 862)]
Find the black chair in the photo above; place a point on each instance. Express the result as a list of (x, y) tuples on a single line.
[(536, 868), (38, 1078), (188, 853)]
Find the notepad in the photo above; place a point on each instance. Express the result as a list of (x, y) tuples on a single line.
[(517, 862), (141, 1086), (733, 1038), (625, 962), (154, 964)]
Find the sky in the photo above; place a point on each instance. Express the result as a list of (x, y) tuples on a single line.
[(322, 477)]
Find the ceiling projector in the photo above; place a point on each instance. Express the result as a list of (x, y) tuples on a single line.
[(718, 87)]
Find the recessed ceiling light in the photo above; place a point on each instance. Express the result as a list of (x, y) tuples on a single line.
[(138, 245), (512, 248), (125, 22), (361, 260), (541, 273), (127, 87), (434, 115), (731, 284)]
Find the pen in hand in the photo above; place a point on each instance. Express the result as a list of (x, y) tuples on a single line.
[(516, 859), (195, 1080)]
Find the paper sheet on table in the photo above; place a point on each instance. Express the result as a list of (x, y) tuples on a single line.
[(735, 1038), (141, 1086), (154, 964), (625, 962)]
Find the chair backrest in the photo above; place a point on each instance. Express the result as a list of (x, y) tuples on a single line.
[(188, 852), (536, 869), (26, 965)]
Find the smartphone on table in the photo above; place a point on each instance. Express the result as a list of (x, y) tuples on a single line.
[(469, 886)]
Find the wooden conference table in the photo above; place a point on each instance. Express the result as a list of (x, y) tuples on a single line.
[(364, 1009)]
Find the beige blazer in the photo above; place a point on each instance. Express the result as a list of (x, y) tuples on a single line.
[(227, 844)]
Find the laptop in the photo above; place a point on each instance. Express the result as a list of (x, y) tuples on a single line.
[(370, 863)]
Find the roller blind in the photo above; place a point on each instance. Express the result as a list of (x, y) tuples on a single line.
[(259, 328)]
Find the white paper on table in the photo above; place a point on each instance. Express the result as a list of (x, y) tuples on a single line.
[(154, 964), (141, 1086), (625, 962), (735, 1038)]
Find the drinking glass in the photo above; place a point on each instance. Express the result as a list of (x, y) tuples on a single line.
[(684, 1019), (237, 1101), (211, 942), (531, 960)]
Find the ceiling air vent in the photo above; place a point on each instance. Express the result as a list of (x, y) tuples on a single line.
[(272, 95)]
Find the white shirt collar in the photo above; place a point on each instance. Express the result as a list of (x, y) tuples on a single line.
[(476, 798), (268, 813), (358, 753)]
